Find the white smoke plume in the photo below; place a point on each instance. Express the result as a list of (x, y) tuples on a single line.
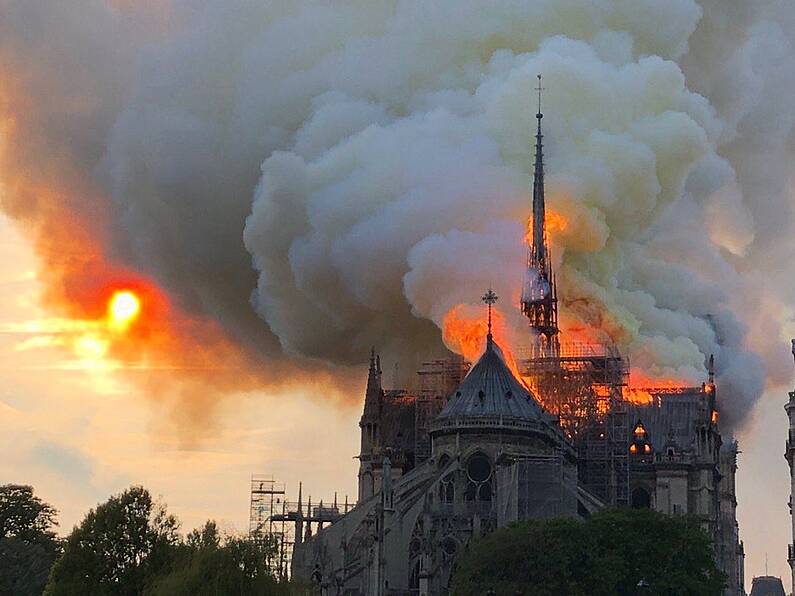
[(372, 160)]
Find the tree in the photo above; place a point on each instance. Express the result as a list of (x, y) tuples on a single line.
[(609, 554), (28, 545), (209, 566), (117, 549), (207, 537)]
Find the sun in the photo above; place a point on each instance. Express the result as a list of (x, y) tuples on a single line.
[(123, 308)]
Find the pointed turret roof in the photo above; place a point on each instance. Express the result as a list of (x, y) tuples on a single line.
[(491, 389), (374, 393)]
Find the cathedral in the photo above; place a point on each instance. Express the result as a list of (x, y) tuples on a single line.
[(474, 448)]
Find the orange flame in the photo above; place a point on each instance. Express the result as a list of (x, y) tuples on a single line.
[(464, 335), (643, 386), (638, 396), (556, 224), (464, 331)]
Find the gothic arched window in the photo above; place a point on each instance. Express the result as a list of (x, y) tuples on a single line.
[(447, 490), (484, 492)]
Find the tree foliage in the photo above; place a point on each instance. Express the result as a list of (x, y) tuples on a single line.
[(28, 545), (207, 565), (129, 546), (609, 554), (116, 548)]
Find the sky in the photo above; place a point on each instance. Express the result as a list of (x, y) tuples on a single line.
[(78, 433), (285, 184)]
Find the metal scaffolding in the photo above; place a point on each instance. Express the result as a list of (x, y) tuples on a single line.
[(267, 501), (437, 381), (583, 385), (275, 520)]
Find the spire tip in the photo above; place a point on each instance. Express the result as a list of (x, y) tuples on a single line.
[(539, 114), (489, 298)]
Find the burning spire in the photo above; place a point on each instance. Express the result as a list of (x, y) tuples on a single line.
[(539, 296)]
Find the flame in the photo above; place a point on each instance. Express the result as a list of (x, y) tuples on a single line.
[(640, 378), (464, 330), (644, 386), (556, 224), (463, 334), (574, 331), (638, 396)]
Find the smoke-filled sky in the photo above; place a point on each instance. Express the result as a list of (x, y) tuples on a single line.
[(286, 183)]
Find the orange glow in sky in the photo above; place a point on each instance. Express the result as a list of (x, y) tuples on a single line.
[(123, 308)]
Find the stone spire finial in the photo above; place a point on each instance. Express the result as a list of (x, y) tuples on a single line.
[(374, 374)]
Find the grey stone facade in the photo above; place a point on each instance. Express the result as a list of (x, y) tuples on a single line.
[(679, 465)]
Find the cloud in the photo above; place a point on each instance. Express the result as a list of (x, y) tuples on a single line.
[(63, 461)]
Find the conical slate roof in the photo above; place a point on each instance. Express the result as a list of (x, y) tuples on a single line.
[(491, 390)]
